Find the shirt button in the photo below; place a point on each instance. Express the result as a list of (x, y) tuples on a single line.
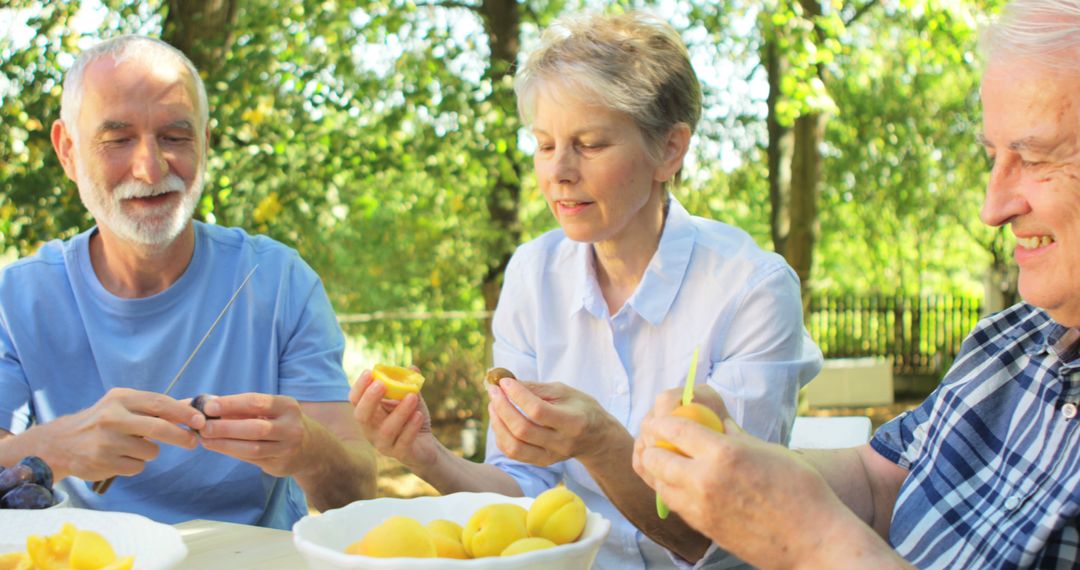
[(1012, 502), (621, 389), (1069, 410)]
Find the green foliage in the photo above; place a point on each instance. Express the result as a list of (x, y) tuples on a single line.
[(902, 174), (373, 135), (36, 202)]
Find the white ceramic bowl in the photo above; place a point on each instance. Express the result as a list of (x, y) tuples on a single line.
[(322, 539), (61, 498), (155, 546)]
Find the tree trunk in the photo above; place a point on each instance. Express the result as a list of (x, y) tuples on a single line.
[(202, 29), (502, 22), (803, 206), (794, 161), (778, 152)]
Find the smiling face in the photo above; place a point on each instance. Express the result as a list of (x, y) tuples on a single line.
[(1031, 129), (595, 169), (138, 158)]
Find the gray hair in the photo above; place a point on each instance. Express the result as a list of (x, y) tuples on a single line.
[(1045, 30), (634, 63), (121, 48)]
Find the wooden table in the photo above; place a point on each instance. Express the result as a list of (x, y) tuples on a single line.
[(214, 545)]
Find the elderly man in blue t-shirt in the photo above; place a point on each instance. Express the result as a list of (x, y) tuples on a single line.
[(92, 329), (986, 472)]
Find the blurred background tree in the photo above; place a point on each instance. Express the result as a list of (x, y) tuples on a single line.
[(380, 139)]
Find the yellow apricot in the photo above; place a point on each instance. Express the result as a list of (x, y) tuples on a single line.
[(527, 545), (60, 543), (399, 381), (557, 515), (37, 549), (396, 537), (492, 528), (698, 413), (90, 551), (447, 537), (124, 563), (15, 561)]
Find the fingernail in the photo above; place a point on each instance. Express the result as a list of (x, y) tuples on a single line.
[(212, 408), (491, 390)]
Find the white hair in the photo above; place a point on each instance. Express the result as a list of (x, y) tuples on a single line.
[(1044, 30), (122, 48), (634, 63)]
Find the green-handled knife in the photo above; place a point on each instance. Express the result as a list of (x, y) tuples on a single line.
[(662, 510)]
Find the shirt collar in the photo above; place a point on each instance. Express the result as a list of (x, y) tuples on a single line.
[(1052, 337), (663, 277), (587, 295)]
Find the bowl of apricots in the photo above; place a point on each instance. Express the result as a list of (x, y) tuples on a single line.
[(87, 540), (461, 530)]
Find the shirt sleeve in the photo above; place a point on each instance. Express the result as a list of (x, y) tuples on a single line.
[(310, 367), (514, 350), (15, 395), (765, 357), (901, 439)]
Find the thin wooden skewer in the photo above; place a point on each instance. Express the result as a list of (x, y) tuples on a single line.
[(100, 487)]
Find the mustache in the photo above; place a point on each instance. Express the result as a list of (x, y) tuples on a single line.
[(136, 189)]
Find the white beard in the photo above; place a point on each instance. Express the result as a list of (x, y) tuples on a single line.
[(158, 227)]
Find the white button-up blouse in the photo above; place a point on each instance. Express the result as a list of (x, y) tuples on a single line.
[(708, 285)]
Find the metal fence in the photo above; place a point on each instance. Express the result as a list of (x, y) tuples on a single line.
[(920, 335)]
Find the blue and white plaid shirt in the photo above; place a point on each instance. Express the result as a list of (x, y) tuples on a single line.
[(994, 452)]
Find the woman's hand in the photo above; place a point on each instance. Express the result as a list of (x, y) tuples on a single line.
[(543, 423), (398, 429)]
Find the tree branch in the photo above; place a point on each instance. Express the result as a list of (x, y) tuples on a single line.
[(860, 11), (449, 4)]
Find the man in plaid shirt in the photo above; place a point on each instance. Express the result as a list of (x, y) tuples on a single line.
[(986, 472)]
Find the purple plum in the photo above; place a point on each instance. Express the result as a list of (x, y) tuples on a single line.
[(15, 476), (28, 496), (43, 474)]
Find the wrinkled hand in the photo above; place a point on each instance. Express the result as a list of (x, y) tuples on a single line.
[(555, 422), (665, 403), (398, 429), (269, 431), (117, 435), (752, 498)]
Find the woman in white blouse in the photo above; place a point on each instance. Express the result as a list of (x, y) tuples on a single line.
[(604, 313)]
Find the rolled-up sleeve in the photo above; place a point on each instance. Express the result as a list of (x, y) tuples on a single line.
[(513, 350), (767, 356)]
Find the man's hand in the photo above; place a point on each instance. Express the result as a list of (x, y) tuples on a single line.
[(115, 436), (398, 429), (316, 443), (555, 422), (269, 431), (760, 501)]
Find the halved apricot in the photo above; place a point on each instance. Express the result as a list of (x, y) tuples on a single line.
[(399, 381)]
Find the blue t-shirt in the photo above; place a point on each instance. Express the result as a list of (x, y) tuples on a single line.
[(65, 341)]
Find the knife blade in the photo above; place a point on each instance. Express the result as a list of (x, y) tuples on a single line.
[(100, 487)]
